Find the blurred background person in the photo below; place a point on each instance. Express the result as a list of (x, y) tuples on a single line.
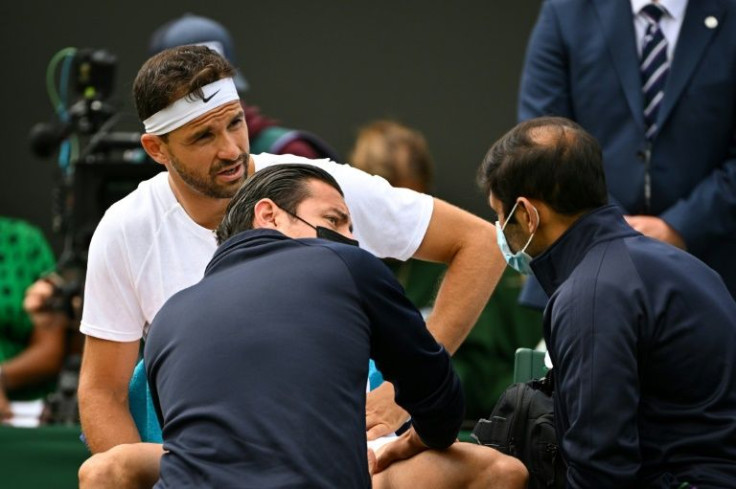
[(266, 134), (485, 360), (32, 347)]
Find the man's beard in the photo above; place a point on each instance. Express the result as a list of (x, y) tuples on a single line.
[(207, 185)]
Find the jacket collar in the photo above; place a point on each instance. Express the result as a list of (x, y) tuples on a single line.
[(246, 245), (558, 261)]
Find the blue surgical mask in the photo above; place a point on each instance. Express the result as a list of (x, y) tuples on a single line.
[(520, 260)]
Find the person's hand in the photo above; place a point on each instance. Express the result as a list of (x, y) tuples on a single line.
[(371, 461), (5, 412), (125, 465), (405, 446), (35, 303), (36, 297), (656, 228), (382, 415)]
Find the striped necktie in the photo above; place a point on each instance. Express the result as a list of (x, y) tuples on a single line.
[(654, 66)]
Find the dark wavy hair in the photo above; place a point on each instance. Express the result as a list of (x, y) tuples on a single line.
[(285, 184), (173, 73)]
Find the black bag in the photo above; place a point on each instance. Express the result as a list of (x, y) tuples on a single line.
[(522, 425)]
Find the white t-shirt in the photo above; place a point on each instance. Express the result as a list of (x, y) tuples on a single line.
[(146, 248)]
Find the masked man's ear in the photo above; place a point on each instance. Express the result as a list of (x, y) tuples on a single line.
[(154, 146), (264, 214), (527, 214)]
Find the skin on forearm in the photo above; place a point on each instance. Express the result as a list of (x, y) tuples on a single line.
[(42, 359), (107, 367), (106, 420), (467, 244)]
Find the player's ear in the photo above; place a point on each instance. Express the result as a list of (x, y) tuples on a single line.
[(154, 146)]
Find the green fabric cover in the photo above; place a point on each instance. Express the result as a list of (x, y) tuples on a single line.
[(24, 257)]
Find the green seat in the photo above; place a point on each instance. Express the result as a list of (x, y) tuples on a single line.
[(528, 365)]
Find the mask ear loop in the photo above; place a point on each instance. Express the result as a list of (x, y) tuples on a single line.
[(508, 218), (531, 236)]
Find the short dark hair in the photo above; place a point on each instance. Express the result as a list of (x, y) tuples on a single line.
[(285, 184), (174, 73), (552, 159)]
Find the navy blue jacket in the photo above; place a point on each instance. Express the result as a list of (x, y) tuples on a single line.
[(643, 339), (582, 64), (259, 371)]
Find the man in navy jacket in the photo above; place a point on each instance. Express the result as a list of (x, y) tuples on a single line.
[(641, 334), (679, 185), (258, 372)]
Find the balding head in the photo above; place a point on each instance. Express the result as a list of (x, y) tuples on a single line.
[(551, 159), (551, 136)]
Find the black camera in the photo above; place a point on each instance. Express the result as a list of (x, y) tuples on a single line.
[(93, 74), (97, 165)]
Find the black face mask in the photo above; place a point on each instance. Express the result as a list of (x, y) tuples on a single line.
[(329, 234)]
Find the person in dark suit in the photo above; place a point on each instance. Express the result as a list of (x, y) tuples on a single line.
[(670, 160)]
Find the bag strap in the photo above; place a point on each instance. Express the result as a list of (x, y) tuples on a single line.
[(546, 384)]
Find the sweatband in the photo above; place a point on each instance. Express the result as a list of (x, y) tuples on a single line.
[(189, 107)]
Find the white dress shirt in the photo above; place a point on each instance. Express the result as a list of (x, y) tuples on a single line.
[(670, 24)]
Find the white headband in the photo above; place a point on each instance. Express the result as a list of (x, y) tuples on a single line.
[(190, 107)]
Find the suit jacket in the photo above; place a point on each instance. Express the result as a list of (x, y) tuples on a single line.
[(582, 63)]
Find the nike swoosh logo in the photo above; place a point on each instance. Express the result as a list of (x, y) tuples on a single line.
[(207, 99)]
